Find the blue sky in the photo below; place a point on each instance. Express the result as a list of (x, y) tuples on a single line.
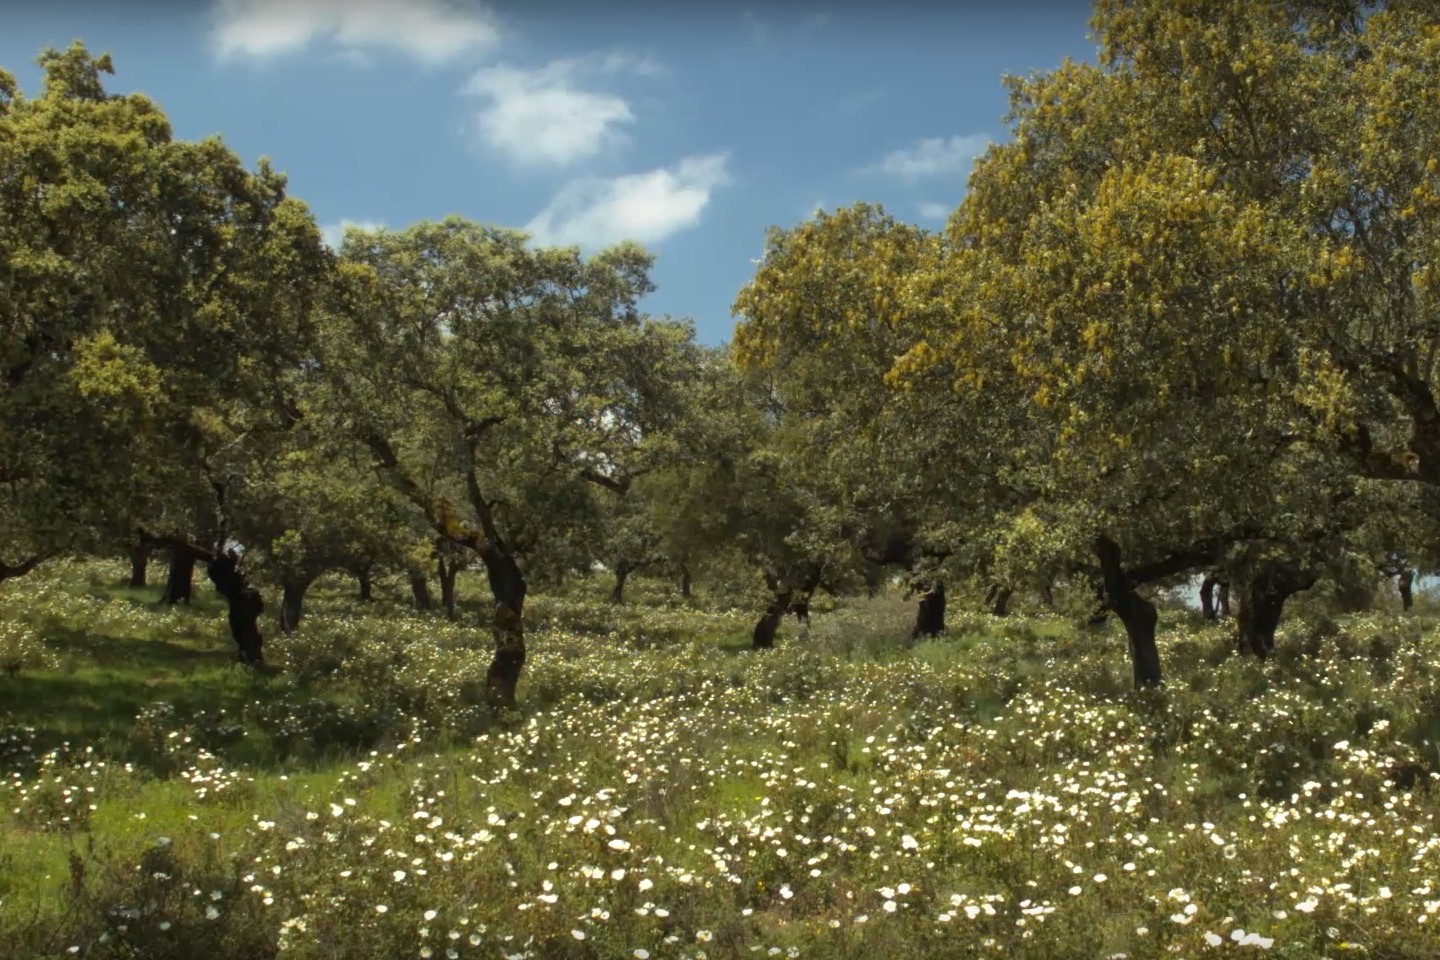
[(691, 128)]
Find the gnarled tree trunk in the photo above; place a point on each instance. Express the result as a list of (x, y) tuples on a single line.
[(800, 603), (999, 599), (180, 581), (623, 569), (763, 637), (292, 600), (507, 586), (1406, 586), (930, 614), (139, 565), (1263, 601), (1135, 612), (447, 572), (1222, 597), (245, 604), (1207, 597), (420, 590)]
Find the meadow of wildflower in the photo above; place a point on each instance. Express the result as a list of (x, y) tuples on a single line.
[(665, 792)]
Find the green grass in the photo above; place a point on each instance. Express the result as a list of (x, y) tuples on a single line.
[(676, 793)]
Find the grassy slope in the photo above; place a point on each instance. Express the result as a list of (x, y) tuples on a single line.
[(849, 794)]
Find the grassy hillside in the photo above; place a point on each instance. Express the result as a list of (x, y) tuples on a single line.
[(665, 792)]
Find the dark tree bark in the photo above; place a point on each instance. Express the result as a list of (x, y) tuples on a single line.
[(800, 607), (800, 603), (1207, 597), (763, 637), (1406, 584), (507, 583), (447, 573), (1047, 594), (292, 600), (622, 573), (1223, 599), (420, 591), (245, 604), (874, 579), (1262, 602), (362, 577), (1135, 612), (139, 565), (180, 581), (999, 599), (507, 586), (685, 580), (930, 614)]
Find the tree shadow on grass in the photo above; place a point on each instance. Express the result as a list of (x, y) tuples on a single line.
[(137, 655), (108, 680)]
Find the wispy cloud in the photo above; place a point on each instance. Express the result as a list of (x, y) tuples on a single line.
[(431, 31), (934, 157), (648, 207), (334, 233), (628, 61), (859, 101), (545, 115), (930, 210), (758, 29)]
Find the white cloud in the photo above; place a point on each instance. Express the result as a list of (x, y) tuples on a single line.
[(930, 210), (541, 115), (431, 31), (334, 233), (648, 207), (623, 61), (934, 157)]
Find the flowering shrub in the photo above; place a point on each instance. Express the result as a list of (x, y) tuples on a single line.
[(22, 649), (978, 795)]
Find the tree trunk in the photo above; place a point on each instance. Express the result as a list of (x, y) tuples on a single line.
[(685, 580), (447, 586), (1223, 599), (420, 591), (1000, 602), (800, 603), (366, 587), (1262, 602), (874, 579), (800, 607), (1406, 585), (764, 636), (1135, 612), (930, 615), (245, 604), (622, 573), (507, 586), (180, 581), (139, 565), (292, 601), (1207, 597), (1047, 594)]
